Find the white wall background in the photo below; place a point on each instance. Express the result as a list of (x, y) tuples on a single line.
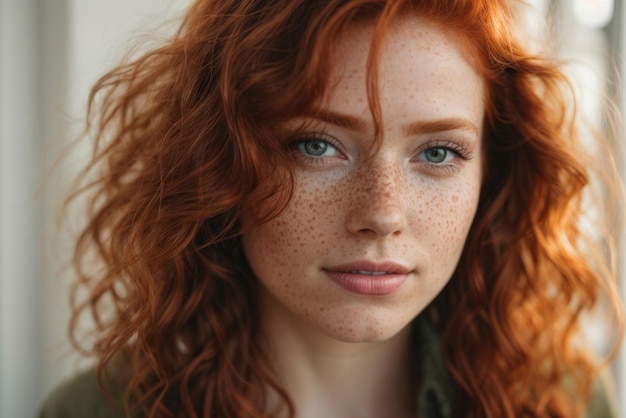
[(51, 52), (19, 215)]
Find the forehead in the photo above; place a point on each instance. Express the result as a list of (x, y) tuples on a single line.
[(421, 67)]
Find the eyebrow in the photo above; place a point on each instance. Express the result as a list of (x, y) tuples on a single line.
[(340, 119), (415, 128), (440, 125)]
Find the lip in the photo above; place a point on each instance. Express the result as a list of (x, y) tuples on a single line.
[(369, 278)]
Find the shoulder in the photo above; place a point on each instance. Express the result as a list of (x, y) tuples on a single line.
[(603, 402), (81, 397), (435, 395)]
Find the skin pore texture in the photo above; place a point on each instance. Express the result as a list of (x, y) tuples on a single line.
[(368, 240)]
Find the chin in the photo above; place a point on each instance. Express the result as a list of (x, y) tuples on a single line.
[(366, 330)]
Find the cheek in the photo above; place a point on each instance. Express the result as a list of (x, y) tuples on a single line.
[(301, 229), (449, 216)]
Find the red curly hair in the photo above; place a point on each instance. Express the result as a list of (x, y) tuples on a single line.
[(185, 143)]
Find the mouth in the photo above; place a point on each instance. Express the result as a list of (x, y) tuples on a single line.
[(371, 268), (369, 278), (370, 273)]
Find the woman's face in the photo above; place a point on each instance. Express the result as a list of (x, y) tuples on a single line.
[(369, 239)]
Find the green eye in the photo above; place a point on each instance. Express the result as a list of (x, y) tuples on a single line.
[(436, 155), (316, 148)]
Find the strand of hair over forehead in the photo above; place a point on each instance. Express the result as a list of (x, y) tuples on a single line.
[(182, 141)]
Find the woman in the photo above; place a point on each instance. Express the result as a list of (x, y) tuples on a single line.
[(337, 208)]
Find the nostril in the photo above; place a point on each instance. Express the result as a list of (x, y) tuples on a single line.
[(367, 231)]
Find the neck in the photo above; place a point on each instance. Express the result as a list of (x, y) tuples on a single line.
[(327, 377)]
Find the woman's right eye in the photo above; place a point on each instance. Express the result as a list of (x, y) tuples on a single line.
[(317, 148)]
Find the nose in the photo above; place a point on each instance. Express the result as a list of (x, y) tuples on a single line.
[(377, 200)]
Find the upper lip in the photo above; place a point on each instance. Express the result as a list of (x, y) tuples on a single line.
[(390, 267)]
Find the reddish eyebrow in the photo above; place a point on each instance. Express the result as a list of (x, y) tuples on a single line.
[(419, 127), (339, 119), (440, 125)]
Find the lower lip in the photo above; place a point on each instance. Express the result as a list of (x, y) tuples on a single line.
[(367, 285)]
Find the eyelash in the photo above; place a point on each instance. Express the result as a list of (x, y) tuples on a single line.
[(455, 147), (293, 146)]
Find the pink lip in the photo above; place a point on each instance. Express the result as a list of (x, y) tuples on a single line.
[(353, 277)]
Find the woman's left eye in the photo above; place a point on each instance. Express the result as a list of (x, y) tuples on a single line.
[(437, 155)]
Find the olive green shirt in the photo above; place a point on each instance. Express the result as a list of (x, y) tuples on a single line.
[(81, 397)]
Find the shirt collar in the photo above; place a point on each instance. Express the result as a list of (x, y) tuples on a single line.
[(434, 398)]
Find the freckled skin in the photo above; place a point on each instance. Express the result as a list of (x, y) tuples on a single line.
[(391, 207)]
